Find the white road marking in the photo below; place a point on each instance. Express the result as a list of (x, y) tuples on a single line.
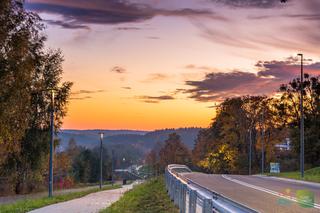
[(317, 206)]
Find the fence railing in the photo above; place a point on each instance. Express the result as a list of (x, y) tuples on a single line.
[(191, 197)]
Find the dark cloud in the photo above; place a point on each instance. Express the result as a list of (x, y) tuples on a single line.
[(81, 92), (156, 77), (109, 12), (67, 25), (153, 37), (118, 69), (128, 28), (127, 88), (250, 3), (77, 95), (201, 68), (80, 98), (287, 69), (217, 86), (155, 99)]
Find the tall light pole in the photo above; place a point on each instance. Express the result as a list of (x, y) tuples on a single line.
[(101, 139), (112, 165), (51, 144), (250, 149), (262, 144), (301, 120)]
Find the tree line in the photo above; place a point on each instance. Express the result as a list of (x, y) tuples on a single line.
[(224, 146), (28, 71)]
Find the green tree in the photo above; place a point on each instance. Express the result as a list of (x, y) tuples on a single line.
[(174, 152), (20, 43), (27, 72), (288, 110), (229, 132)]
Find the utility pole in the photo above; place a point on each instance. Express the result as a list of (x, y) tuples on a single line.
[(301, 120), (51, 144), (101, 139), (250, 150)]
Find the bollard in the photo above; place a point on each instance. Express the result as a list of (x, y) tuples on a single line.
[(192, 201), (207, 206)]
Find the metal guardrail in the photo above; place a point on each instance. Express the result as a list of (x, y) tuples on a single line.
[(191, 197)]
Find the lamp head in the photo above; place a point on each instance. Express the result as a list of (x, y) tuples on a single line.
[(52, 93), (101, 135), (300, 54)]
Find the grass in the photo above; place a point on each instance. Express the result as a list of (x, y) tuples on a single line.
[(30, 204), (312, 175), (148, 197)]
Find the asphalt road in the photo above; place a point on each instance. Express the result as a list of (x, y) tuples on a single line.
[(264, 194)]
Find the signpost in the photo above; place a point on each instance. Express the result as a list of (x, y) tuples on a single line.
[(274, 167)]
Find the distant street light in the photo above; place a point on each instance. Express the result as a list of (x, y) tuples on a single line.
[(250, 149), (101, 139), (301, 120), (262, 142), (51, 143), (112, 165)]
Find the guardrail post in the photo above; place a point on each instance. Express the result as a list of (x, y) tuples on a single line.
[(176, 193), (207, 206), (183, 198), (192, 201), (172, 184)]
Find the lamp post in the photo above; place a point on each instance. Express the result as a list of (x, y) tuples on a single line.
[(101, 139), (301, 120), (112, 166), (51, 144), (250, 149), (262, 143)]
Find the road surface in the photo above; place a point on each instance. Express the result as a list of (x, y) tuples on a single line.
[(264, 194), (88, 204)]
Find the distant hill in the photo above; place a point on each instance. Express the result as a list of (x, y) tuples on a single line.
[(141, 140)]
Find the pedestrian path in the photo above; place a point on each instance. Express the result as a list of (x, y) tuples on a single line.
[(88, 204)]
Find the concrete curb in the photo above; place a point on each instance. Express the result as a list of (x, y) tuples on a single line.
[(290, 180)]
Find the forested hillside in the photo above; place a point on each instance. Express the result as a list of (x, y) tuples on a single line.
[(140, 139)]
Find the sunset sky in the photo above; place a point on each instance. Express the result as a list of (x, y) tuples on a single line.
[(152, 64)]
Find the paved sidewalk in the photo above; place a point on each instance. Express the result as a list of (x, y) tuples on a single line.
[(15, 198), (90, 203)]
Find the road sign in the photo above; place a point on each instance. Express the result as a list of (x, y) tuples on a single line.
[(274, 167)]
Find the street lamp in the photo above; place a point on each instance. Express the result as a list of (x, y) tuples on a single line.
[(112, 166), (301, 120), (101, 139), (51, 143), (262, 141), (250, 149)]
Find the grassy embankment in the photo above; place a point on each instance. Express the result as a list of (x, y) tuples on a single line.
[(30, 204), (312, 175), (148, 197)]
